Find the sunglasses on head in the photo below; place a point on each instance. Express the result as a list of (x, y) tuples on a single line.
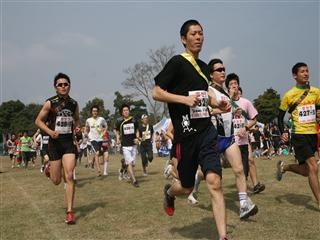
[(62, 85), (222, 69)]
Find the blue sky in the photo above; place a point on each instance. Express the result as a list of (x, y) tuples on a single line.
[(94, 41)]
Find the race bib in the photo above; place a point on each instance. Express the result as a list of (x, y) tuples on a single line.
[(238, 123), (201, 110), (45, 140), (128, 128), (64, 124), (307, 113)]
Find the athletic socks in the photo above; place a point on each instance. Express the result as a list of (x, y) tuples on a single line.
[(74, 174), (105, 168), (242, 197)]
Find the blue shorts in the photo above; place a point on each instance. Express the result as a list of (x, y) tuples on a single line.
[(224, 142)]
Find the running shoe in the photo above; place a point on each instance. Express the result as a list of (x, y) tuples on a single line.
[(168, 202), (280, 171), (258, 188), (70, 219), (42, 169), (192, 199), (167, 171), (248, 209), (47, 170), (135, 184)]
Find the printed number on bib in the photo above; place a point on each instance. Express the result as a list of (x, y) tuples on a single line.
[(128, 129), (307, 113), (238, 123), (201, 110), (64, 125)]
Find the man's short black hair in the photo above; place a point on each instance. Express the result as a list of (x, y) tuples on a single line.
[(94, 106), (185, 27), (232, 76), (61, 75), (298, 65), (213, 62), (123, 106)]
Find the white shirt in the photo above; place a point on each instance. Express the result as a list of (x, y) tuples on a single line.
[(227, 117), (96, 127)]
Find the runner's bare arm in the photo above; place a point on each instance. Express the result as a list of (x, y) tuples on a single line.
[(161, 95), (41, 120), (77, 118), (223, 105)]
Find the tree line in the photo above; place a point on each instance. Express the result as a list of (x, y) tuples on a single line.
[(15, 116)]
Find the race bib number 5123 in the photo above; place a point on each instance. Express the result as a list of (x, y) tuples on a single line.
[(201, 110)]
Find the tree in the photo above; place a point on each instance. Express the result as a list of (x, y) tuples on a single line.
[(86, 111), (25, 119), (141, 75), (16, 117), (137, 108), (8, 114), (267, 105)]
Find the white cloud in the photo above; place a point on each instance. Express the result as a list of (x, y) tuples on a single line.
[(73, 39), (225, 54), (51, 50)]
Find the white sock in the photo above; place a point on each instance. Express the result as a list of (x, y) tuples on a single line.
[(105, 168), (74, 174), (242, 197)]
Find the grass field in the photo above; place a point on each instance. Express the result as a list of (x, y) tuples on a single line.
[(106, 208)]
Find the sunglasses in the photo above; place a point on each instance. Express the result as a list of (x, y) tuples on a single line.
[(62, 85), (222, 69)]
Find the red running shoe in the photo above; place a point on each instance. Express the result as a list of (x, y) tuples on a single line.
[(168, 201), (47, 170), (70, 219)]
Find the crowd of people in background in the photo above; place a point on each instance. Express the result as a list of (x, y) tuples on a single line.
[(190, 140)]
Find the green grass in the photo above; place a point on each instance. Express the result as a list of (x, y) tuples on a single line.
[(106, 208)]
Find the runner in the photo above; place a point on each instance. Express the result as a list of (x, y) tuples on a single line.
[(127, 130), (303, 103), (145, 137), (226, 142), (43, 139), (11, 144), (183, 84), (26, 143), (104, 151), (244, 118), (62, 113), (96, 126)]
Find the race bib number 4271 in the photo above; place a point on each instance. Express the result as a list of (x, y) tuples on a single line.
[(307, 113), (201, 110)]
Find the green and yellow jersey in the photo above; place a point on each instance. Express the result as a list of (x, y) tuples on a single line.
[(304, 115)]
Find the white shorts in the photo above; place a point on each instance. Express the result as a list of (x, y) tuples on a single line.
[(129, 154)]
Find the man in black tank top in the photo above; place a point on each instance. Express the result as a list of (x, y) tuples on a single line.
[(62, 114)]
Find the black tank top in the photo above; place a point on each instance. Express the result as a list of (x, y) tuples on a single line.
[(61, 115)]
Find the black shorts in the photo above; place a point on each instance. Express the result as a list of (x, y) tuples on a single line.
[(45, 149), (305, 145), (96, 146), (198, 149), (59, 147), (173, 151), (245, 158), (26, 156)]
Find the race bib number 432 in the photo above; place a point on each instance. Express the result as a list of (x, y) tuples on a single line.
[(307, 113), (201, 110)]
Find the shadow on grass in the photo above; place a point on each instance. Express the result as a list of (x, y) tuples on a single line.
[(298, 200), (87, 209), (81, 182), (204, 230)]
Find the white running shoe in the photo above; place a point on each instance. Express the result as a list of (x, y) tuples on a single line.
[(167, 171), (192, 200), (248, 209)]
